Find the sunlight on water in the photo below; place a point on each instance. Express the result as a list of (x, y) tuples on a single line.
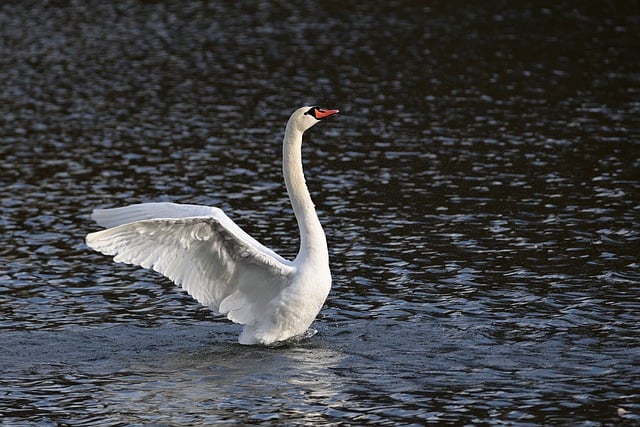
[(479, 192)]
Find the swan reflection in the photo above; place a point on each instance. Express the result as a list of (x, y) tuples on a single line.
[(212, 385)]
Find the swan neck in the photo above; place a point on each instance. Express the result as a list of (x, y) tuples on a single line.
[(312, 238)]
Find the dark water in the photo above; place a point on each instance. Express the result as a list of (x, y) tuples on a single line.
[(480, 194)]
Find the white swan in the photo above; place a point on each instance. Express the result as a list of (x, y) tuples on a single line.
[(215, 261)]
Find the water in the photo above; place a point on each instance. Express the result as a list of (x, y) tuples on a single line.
[(479, 192)]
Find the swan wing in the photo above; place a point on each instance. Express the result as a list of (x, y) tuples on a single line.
[(113, 217), (210, 257)]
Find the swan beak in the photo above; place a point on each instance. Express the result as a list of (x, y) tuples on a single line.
[(321, 113)]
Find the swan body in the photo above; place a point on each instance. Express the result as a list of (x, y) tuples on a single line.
[(202, 250)]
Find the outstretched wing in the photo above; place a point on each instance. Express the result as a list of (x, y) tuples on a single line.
[(199, 248), (113, 217)]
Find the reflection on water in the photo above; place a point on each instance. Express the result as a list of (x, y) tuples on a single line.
[(479, 193), (135, 375), (225, 383)]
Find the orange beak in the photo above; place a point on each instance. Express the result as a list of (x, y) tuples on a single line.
[(321, 113)]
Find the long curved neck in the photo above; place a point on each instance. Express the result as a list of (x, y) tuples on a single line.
[(313, 242)]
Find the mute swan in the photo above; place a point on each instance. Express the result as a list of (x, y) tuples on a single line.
[(215, 261)]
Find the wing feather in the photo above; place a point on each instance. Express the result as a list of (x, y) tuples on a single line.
[(212, 258), (114, 217)]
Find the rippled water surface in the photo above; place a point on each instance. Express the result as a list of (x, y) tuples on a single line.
[(480, 195)]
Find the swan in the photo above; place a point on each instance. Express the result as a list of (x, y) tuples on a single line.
[(202, 250)]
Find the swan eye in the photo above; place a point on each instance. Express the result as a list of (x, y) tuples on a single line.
[(312, 112)]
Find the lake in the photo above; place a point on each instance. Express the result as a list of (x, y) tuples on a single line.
[(480, 193)]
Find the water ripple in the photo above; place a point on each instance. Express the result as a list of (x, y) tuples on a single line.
[(479, 195)]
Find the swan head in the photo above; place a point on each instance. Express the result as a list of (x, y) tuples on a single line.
[(305, 117)]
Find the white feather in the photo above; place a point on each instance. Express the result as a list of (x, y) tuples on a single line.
[(214, 265)]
